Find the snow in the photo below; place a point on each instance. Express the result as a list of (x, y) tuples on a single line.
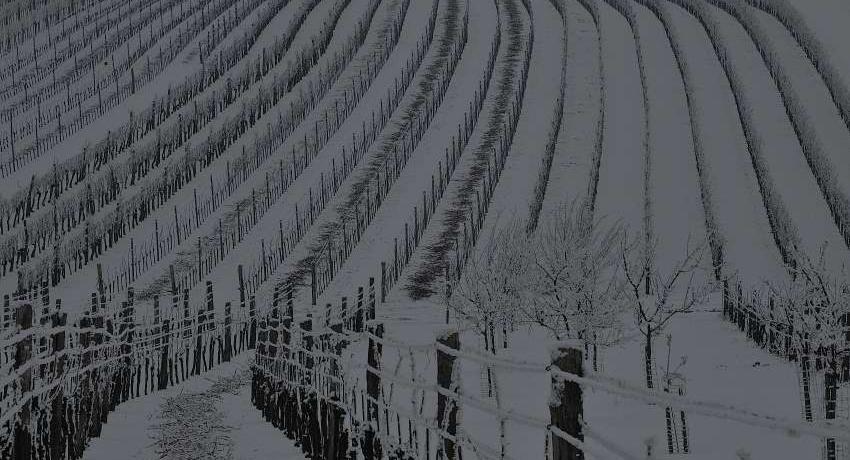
[(620, 194), (675, 208), (376, 244), (185, 197), (515, 188), (784, 158), (696, 163), (415, 24), (569, 176), (749, 251), (299, 191), (132, 429)]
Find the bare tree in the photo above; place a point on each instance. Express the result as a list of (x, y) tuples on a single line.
[(494, 277), (814, 304), (576, 289), (490, 290), (680, 290)]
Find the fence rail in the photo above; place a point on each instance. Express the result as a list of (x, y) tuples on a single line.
[(60, 381)]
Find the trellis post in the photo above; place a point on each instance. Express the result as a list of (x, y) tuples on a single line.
[(371, 443), (447, 407), (565, 405)]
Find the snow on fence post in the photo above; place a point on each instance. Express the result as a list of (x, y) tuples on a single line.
[(305, 359), (565, 404), (7, 313), (228, 335), (23, 353), (99, 279), (346, 322), (252, 323), (198, 351), (383, 281), (371, 443), (447, 408), (371, 314), (125, 329), (174, 294), (313, 284), (164, 362), (272, 335), (57, 435), (240, 275), (358, 313)]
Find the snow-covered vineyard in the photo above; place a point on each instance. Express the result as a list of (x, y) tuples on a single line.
[(425, 229)]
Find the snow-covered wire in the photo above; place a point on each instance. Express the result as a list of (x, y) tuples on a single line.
[(711, 409)]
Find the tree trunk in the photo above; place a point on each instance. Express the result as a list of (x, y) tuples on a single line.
[(647, 354), (805, 369), (830, 400)]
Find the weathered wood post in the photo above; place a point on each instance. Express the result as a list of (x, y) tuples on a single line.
[(346, 321), (131, 369), (23, 353), (371, 314), (566, 405), (252, 321), (274, 327), (287, 322), (314, 288), (198, 351), (187, 335), (228, 333), (209, 328), (240, 344), (164, 365), (7, 313), (371, 444), (358, 313), (383, 281), (58, 436), (830, 396), (241, 277), (446, 406)]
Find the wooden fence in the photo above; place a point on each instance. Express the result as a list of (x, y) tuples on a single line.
[(60, 381), (306, 383)]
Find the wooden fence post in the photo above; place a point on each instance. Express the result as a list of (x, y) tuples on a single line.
[(358, 313), (383, 281), (252, 323), (23, 353), (58, 437), (210, 331), (7, 313), (371, 444), (198, 351), (164, 364), (371, 314), (241, 277), (565, 406), (314, 288), (447, 407), (228, 334), (287, 322), (129, 324)]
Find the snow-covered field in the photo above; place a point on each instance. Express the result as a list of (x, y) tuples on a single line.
[(312, 145)]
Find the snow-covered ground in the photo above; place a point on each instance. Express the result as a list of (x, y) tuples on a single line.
[(377, 243), (676, 213), (696, 157), (218, 402), (748, 249)]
